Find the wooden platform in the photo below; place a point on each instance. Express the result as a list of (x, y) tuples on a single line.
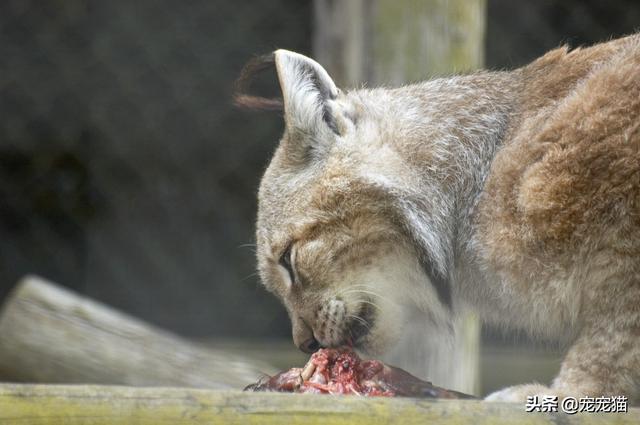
[(91, 404)]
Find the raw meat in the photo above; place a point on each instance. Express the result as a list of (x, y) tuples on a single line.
[(341, 371)]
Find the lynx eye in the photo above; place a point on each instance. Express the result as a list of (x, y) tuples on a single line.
[(285, 261)]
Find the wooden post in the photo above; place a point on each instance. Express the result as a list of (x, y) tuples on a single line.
[(50, 334), (395, 42)]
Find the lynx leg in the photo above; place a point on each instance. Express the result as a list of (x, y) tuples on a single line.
[(605, 358), (603, 361)]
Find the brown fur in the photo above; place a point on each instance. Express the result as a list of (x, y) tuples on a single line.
[(514, 193), (562, 204)]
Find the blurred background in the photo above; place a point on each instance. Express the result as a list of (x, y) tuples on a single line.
[(127, 175)]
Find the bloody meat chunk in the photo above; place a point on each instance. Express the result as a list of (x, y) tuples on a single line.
[(341, 371)]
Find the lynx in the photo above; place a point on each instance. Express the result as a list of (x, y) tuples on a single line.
[(515, 194)]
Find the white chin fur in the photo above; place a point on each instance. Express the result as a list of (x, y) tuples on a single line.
[(396, 286)]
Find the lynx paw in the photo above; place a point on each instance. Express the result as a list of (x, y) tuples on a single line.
[(519, 393)]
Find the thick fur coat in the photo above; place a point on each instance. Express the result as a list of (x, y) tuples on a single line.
[(516, 194)]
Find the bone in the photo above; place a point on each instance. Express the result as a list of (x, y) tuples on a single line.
[(308, 371)]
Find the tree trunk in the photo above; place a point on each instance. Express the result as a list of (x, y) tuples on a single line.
[(50, 334)]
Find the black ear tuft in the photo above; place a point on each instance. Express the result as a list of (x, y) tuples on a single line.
[(242, 99)]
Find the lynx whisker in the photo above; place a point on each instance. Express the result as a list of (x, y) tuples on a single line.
[(360, 319)]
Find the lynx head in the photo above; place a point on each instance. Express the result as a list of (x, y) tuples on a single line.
[(332, 241)]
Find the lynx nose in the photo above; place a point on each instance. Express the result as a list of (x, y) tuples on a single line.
[(309, 346)]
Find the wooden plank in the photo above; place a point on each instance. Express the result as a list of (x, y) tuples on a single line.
[(84, 404), (50, 334)]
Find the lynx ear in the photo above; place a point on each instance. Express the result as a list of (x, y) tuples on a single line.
[(306, 91)]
